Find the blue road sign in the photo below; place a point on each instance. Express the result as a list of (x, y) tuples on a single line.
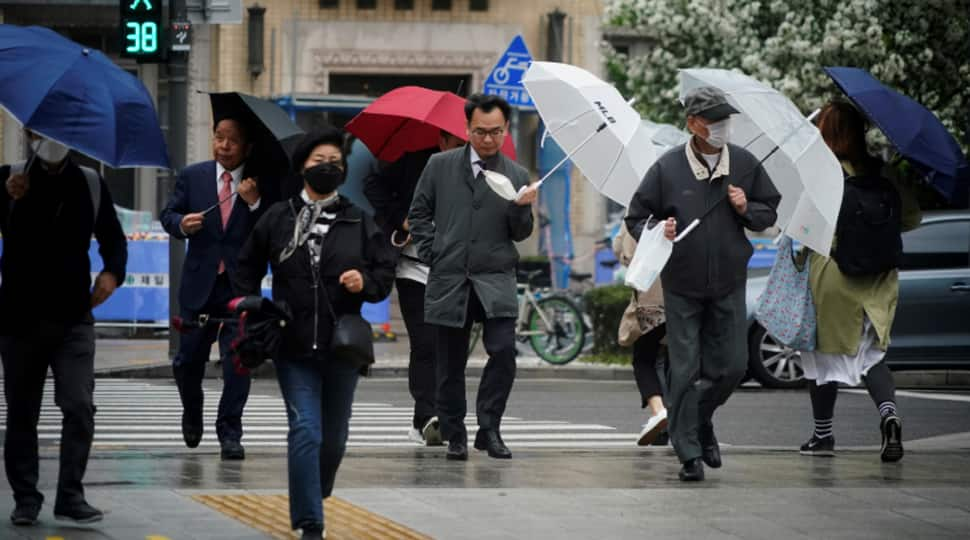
[(505, 80)]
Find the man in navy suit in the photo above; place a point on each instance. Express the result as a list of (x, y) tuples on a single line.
[(215, 238)]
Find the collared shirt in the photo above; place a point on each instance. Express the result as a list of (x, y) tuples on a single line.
[(236, 178), (476, 168), (701, 170)]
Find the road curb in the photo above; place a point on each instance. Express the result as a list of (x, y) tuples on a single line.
[(268, 371), (948, 379)]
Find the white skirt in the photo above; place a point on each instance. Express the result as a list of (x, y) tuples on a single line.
[(825, 368)]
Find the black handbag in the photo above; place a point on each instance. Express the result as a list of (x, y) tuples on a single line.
[(352, 341)]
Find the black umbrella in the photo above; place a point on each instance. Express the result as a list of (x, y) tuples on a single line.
[(270, 130)]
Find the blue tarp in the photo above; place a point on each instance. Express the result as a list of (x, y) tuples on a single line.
[(144, 296)]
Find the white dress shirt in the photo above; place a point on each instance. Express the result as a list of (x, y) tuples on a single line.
[(236, 178)]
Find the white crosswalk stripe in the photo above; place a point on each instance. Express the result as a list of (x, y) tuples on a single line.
[(136, 414)]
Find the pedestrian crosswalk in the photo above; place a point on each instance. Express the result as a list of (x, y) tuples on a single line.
[(138, 414)]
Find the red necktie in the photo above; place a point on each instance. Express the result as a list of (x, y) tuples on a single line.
[(225, 205)]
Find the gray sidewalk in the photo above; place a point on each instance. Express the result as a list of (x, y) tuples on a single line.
[(758, 494)]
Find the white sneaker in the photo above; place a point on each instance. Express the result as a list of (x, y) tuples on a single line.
[(431, 433), (652, 428), (415, 436)]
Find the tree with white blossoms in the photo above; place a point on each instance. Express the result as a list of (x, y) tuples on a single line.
[(919, 47)]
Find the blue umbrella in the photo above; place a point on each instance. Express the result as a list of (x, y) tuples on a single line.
[(78, 97), (915, 132)]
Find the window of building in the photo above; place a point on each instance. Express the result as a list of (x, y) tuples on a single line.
[(366, 4), (329, 3), (440, 5), (478, 5), (403, 5)]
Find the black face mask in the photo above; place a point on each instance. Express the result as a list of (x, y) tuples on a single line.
[(324, 178)]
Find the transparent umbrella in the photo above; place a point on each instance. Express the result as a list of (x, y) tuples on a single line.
[(800, 164)]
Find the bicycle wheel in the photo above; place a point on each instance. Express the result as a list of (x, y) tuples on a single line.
[(562, 340), (475, 337)]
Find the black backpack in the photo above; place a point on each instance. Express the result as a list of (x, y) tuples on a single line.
[(868, 233)]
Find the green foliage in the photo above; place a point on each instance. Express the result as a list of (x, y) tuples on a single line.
[(919, 47), (605, 306)]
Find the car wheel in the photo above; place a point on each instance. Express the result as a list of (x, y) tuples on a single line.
[(771, 363)]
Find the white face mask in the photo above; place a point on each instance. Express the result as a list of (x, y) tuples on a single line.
[(49, 151), (718, 133)]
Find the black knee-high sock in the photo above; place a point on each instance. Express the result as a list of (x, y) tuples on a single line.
[(823, 406), (882, 389)]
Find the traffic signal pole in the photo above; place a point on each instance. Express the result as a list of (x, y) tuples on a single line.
[(177, 131)]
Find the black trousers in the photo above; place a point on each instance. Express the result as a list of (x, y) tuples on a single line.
[(708, 356), (421, 335), (647, 364), (193, 355), (493, 391), (69, 353)]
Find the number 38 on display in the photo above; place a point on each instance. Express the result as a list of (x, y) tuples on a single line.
[(141, 37)]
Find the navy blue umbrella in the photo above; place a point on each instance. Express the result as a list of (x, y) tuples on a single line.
[(78, 97), (915, 132)]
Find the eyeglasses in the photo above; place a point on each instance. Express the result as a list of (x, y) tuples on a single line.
[(493, 133)]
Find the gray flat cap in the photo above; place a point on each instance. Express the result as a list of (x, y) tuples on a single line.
[(709, 103)]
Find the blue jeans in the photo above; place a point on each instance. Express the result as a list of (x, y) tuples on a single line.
[(318, 395)]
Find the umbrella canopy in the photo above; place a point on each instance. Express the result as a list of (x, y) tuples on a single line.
[(799, 163), (79, 98), (270, 130), (574, 104), (915, 132), (664, 136), (409, 119)]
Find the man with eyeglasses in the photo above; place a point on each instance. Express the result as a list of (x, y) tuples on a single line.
[(466, 234)]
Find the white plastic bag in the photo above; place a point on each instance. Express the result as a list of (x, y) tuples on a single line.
[(653, 251)]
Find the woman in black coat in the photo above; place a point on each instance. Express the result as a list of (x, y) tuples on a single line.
[(327, 258)]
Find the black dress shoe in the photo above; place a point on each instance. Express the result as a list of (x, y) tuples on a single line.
[(489, 439), (81, 512), (232, 450), (192, 428), (692, 471), (710, 451), (313, 532), (25, 514), (457, 450)]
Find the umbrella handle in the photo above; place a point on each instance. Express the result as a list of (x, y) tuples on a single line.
[(218, 204), (693, 225)]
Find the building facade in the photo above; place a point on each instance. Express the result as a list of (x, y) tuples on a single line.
[(327, 58)]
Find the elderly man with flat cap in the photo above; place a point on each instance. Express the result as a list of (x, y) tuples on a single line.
[(704, 280)]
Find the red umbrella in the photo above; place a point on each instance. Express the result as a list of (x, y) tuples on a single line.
[(409, 118)]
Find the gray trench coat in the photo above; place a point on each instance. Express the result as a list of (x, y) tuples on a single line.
[(466, 234)]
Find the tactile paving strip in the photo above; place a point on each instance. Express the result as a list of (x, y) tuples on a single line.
[(271, 514)]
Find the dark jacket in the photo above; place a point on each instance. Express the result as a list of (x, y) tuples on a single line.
[(196, 191), (391, 190), (354, 242), (46, 271), (466, 234), (712, 260)]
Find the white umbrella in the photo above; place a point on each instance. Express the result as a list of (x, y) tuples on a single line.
[(594, 125), (800, 164), (664, 136)]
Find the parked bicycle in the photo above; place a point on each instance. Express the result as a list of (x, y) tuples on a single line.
[(552, 324)]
